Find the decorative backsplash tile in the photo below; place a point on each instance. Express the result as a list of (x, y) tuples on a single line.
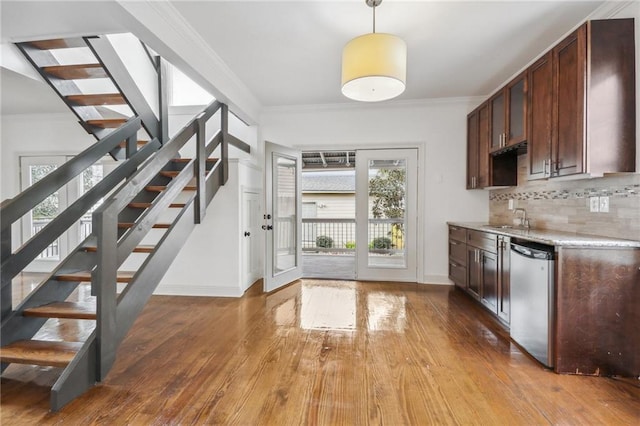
[(631, 190)]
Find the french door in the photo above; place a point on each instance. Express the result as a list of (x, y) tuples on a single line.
[(34, 168), (283, 218), (386, 214)]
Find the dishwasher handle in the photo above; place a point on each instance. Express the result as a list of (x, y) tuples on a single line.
[(531, 252)]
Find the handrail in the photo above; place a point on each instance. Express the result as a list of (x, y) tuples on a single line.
[(13, 209)]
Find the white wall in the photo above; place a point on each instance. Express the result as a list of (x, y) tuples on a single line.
[(437, 128), (210, 263)]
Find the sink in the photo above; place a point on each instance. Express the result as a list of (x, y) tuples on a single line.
[(498, 226)]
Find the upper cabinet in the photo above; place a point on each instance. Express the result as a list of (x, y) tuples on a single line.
[(582, 103), (478, 148), (509, 114)]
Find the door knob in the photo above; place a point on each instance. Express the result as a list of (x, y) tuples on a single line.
[(247, 233)]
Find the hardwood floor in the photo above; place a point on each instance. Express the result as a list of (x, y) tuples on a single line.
[(323, 353)]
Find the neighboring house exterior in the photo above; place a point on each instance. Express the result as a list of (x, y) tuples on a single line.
[(329, 194)]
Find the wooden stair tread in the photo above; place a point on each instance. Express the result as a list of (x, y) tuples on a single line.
[(107, 123), (85, 276), (40, 352), (138, 249), (58, 43), (74, 310), (126, 225), (97, 99), (169, 173), (123, 144), (76, 72), (138, 205), (160, 188)]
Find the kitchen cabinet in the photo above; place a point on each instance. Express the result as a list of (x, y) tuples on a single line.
[(508, 110), (595, 300), (478, 159), (582, 103), (483, 258), (458, 256), (540, 118)]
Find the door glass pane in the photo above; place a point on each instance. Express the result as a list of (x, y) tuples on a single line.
[(387, 221), (516, 111), (284, 214), (46, 211)]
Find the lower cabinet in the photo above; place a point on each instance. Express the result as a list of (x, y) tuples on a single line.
[(486, 266)]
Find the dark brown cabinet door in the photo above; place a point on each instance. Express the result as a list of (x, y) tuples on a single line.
[(489, 280), (472, 150), (540, 118), (484, 176), (497, 130), (473, 271), (516, 118), (569, 69), (504, 283)]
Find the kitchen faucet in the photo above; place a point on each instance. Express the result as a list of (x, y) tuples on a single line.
[(524, 222)]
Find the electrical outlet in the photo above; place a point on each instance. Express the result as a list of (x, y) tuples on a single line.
[(511, 206), (604, 204), (594, 204)]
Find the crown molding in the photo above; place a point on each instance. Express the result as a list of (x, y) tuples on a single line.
[(398, 104)]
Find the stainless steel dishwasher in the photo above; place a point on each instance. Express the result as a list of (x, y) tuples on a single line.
[(532, 298)]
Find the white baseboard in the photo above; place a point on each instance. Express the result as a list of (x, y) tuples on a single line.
[(436, 279), (198, 290)]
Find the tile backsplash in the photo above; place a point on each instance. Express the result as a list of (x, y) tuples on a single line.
[(564, 205)]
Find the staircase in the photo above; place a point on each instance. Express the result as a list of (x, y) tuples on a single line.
[(152, 188)]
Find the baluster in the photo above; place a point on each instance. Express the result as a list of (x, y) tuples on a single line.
[(200, 169)]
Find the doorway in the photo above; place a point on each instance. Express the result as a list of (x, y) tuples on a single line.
[(359, 214)]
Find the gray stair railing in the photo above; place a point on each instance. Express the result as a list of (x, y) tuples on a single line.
[(116, 313), (13, 209)]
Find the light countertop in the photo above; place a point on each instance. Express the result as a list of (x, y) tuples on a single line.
[(554, 238)]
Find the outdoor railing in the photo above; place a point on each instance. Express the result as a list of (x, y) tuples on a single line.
[(339, 235)]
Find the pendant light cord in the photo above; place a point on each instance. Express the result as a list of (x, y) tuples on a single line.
[(374, 17)]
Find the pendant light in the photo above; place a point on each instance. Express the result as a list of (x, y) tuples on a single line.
[(374, 66)]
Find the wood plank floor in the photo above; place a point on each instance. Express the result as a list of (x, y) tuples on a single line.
[(323, 353)]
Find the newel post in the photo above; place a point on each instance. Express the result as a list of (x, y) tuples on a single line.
[(200, 169), (104, 285), (5, 253)]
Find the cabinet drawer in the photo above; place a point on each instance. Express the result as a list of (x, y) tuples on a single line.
[(458, 252), (482, 240), (458, 234), (458, 274)]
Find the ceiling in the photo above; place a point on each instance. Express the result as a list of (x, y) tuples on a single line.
[(288, 53)]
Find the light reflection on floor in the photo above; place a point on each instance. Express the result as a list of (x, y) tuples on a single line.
[(386, 312), (325, 306)]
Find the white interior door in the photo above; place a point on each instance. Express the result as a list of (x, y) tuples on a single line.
[(283, 218), (386, 214), (251, 220)]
